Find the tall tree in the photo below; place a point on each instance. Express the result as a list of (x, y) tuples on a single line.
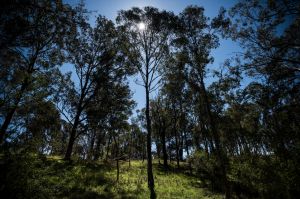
[(159, 112), (33, 35), (148, 33), (195, 40), (98, 63)]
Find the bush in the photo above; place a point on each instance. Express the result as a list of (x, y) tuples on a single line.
[(250, 176), (20, 177), (263, 177), (208, 170)]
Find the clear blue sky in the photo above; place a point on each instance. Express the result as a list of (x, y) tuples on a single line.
[(110, 8)]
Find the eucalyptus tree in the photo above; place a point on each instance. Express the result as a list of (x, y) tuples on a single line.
[(194, 42), (161, 123), (41, 125), (115, 103), (174, 90), (267, 33), (96, 56), (148, 33), (118, 128), (33, 35), (138, 126)]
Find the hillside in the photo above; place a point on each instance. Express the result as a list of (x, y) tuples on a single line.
[(51, 177)]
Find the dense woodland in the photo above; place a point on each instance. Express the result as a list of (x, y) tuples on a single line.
[(239, 135)]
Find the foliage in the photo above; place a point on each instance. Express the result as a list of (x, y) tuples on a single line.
[(235, 134)]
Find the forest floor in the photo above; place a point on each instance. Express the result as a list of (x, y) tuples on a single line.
[(52, 177)]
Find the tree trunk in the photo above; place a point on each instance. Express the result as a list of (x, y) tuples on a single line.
[(72, 137), (164, 147), (181, 146), (91, 149), (97, 150), (70, 144), (130, 146), (176, 142), (177, 149), (187, 152), (117, 156), (107, 148), (11, 112), (149, 155), (170, 153), (158, 151)]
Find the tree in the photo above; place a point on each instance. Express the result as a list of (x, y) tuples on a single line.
[(159, 113), (195, 40), (148, 33), (98, 64), (42, 126), (266, 31), (33, 35), (175, 91)]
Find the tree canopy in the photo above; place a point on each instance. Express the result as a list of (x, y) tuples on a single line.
[(238, 132)]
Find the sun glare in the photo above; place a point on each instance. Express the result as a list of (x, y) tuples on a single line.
[(141, 26)]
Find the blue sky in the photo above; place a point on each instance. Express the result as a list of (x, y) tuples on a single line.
[(110, 8)]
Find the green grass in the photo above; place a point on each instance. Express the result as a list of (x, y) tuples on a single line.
[(54, 178)]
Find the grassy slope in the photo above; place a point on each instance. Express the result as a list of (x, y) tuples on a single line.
[(55, 178)]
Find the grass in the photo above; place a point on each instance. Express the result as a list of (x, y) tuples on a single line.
[(52, 177)]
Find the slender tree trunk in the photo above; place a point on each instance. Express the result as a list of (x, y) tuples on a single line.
[(117, 156), (96, 151), (72, 137), (187, 152), (164, 147), (170, 155), (143, 150), (149, 155), (186, 144), (158, 151), (107, 148), (177, 149), (181, 146), (143, 154), (130, 146), (91, 149), (176, 142)]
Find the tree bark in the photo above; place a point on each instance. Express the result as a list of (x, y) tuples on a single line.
[(149, 155), (72, 137)]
